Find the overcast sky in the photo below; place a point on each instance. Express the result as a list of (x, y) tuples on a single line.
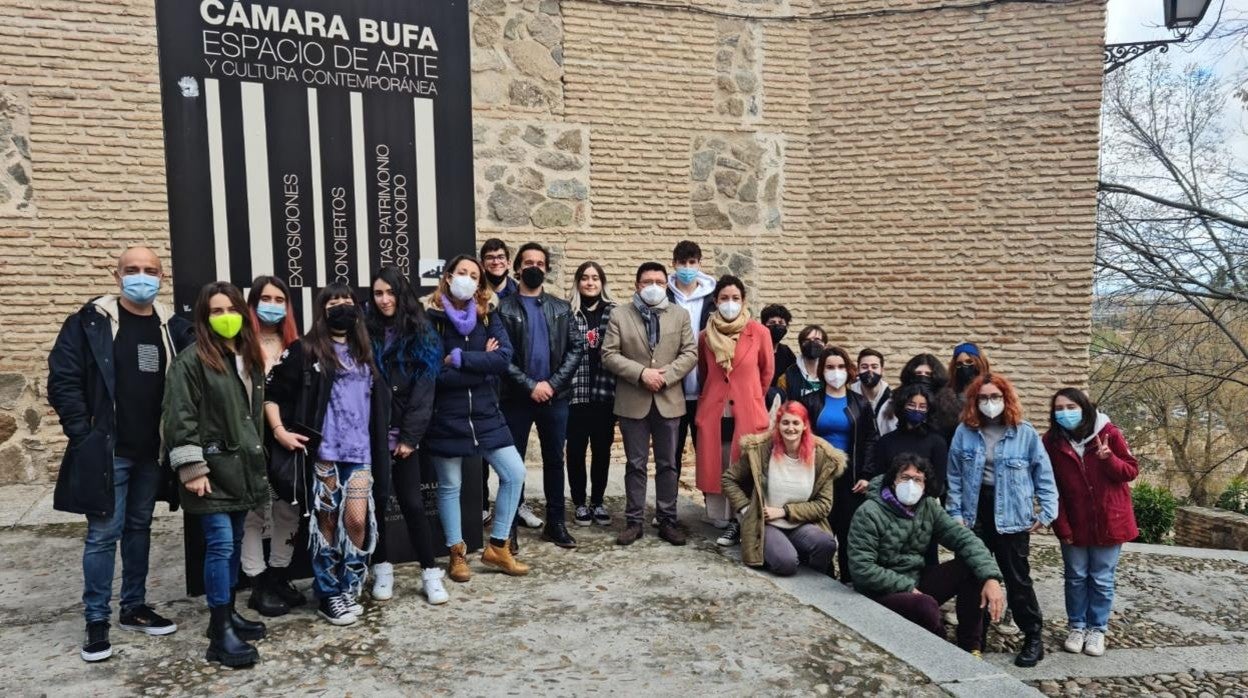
[(1130, 21)]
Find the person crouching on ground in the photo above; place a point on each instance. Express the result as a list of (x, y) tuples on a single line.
[(888, 540), (213, 423), (781, 486)]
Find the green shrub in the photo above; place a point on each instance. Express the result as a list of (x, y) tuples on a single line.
[(1235, 496), (1154, 512)]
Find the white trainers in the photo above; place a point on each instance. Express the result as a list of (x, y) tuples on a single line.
[(1094, 646), (383, 581), (1007, 625), (1075, 640), (431, 586), (527, 516)]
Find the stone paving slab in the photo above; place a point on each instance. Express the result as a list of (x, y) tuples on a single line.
[(1062, 665)]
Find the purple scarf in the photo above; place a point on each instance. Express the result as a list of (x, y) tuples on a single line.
[(886, 493), (463, 320)]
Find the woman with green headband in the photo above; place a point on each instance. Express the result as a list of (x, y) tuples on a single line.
[(213, 425)]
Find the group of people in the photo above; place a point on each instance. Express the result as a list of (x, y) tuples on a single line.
[(803, 458)]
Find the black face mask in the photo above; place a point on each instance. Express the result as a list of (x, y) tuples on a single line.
[(495, 279), (812, 349), (341, 318), (532, 277), (965, 375), (922, 380), (869, 379), (777, 332)]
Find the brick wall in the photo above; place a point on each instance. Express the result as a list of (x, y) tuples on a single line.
[(1201, 527), (934, 171)]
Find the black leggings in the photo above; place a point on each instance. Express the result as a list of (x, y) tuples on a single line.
[(591, 425), (407, 483)]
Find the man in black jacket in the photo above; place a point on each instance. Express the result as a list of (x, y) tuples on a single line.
[(106, 376), (546, 351)]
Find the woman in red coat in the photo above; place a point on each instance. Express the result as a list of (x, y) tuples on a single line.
[(1094, 468), (735, 365)]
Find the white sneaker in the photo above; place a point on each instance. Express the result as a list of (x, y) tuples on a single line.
[(1074, 641), (486, 517), (1094, 646), (527, 516), (383, 581), (431, 586), (1007, 625)]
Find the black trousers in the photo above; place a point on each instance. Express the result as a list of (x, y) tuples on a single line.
[(591, 426), (686, 427), (1011, 551), (405, 474), (844, 504)]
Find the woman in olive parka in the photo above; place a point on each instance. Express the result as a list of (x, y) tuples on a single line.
[(213, 426)]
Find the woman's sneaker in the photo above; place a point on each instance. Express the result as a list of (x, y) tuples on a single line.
[(335, 610), (353, 604), (1094, 645), (527, 516), (602, 517), (383, 581), (431, 586), (731, 535), (583, 517), (143, 619), (97, 648), (1075, 640)]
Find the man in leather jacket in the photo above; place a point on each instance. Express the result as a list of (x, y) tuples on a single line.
[(547, 349)]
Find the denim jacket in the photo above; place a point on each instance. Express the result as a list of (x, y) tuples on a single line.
[(1023, 475)]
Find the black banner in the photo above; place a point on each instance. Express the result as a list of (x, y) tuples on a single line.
[(315, 140)]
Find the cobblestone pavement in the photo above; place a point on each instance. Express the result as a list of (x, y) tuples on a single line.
[(649, 619), (1198, 683)]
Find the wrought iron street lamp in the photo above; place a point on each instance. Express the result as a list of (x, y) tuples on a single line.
[(1182, 16)]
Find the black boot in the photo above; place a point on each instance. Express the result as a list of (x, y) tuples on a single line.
[(513, 541), (224, 644), (280, 579), (1032, 651), (557, 532), (246, 629), (264, 597)]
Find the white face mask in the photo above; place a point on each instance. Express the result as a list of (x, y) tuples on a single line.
[(653, 294), (463, 287), (729, 310), (908, 492), (993, 409), (837, 377)]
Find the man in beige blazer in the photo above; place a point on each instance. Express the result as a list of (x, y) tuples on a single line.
[(650, 348)]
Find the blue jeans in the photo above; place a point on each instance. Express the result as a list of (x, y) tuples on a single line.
[(551, 419), (1089, 584), (223, 544), (344, 531), (135, 484), (508, 464)]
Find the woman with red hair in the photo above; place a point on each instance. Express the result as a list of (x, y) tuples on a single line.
[(781, 486), (998, 472)]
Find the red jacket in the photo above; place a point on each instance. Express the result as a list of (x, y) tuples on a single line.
[(1094, 495)]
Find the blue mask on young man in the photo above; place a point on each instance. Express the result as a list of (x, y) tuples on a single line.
[(1068, 419), (140, 288), (686, 275)]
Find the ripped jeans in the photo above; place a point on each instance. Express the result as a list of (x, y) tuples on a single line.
[(345, 528)]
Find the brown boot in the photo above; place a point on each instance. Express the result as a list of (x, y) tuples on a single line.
[(500, 556), (458, 568)]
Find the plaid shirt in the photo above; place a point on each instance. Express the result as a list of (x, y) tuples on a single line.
[(588, 385)]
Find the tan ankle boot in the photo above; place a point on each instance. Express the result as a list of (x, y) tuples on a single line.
[(458, 570), (501, 557)]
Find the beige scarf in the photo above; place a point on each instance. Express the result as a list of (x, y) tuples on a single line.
[(722, 337)]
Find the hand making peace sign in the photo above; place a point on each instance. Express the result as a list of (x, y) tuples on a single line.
[(1102, 448)]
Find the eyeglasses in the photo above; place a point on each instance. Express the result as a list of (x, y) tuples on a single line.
[(917, 408), (917, 479), (495, 258), (991, 398)]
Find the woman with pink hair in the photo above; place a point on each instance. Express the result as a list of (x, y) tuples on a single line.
[(781, 487)]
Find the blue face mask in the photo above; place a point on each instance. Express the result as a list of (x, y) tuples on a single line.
[(915, 417), (270, 313), (140, 288), (1069, 419), (686, 275)]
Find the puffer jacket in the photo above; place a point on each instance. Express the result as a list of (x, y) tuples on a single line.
[(1022, 472), (887, 550), (744, 483), (1094, 507), (467, 420), (212, 429)]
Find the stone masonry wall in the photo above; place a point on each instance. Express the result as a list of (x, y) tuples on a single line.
[(1202, 527), (906, 179)]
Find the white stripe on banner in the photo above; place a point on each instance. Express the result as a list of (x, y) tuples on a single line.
[(307, 309), (216, 173), (318, 203), (426, 186), (361, 188), (256, 157)]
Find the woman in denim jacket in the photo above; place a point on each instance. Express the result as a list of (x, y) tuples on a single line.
[(998, 470)]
